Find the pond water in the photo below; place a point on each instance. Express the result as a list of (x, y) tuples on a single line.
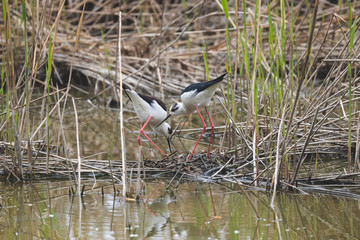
[(44, 209)]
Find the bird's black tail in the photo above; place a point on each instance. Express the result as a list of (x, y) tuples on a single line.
[(219, 79)]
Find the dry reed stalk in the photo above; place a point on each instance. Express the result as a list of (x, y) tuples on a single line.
[(65, 143), (122, 136), (278, 158), (29, 156), (138, 187), (78, 147), (357, 152), (75, 48), (112, 176)]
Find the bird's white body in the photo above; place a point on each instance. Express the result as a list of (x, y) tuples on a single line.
[(191, 98), (144, 110)]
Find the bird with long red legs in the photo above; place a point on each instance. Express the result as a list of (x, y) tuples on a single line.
[(193, 97), (151, 111)]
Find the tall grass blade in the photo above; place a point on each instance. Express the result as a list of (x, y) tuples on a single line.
[(205, 60), (48, 76), (351, 45), (224, 4)]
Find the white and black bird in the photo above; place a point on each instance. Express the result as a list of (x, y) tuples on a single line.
[(151, 111), (193, 97)]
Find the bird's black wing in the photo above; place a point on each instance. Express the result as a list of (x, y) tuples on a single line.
[(149, 100), (146, 98), (203, 85)]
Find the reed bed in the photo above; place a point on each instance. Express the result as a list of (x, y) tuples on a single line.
[(291, 92)]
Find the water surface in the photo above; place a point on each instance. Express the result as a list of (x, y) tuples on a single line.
[(44, 209)]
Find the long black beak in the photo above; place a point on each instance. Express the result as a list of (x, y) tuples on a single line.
[(168, 140), (164, 120)]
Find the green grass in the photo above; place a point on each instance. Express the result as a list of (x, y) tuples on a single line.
[(352, 26), (205, 61)]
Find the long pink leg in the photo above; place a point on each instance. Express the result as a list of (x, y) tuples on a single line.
[(142, 132), (139, 141), (212, 130), (204, 128)]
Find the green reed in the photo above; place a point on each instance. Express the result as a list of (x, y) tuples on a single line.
[(9, 83), (26, 66), (245, 58), (205, 61), (352, 26)]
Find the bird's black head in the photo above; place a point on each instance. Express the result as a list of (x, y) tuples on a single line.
[(174, 107), (170, 131)]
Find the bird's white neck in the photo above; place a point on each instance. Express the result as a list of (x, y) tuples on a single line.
[(180, 109)]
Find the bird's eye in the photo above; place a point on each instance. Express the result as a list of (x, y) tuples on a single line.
[(174, 108)]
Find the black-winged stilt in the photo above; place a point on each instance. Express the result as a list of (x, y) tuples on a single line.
[(193, 97), (151, 111)]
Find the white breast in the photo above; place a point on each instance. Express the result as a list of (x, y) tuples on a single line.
[(202, 99)]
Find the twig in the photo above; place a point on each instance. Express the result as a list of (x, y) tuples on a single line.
[(78, 146)]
